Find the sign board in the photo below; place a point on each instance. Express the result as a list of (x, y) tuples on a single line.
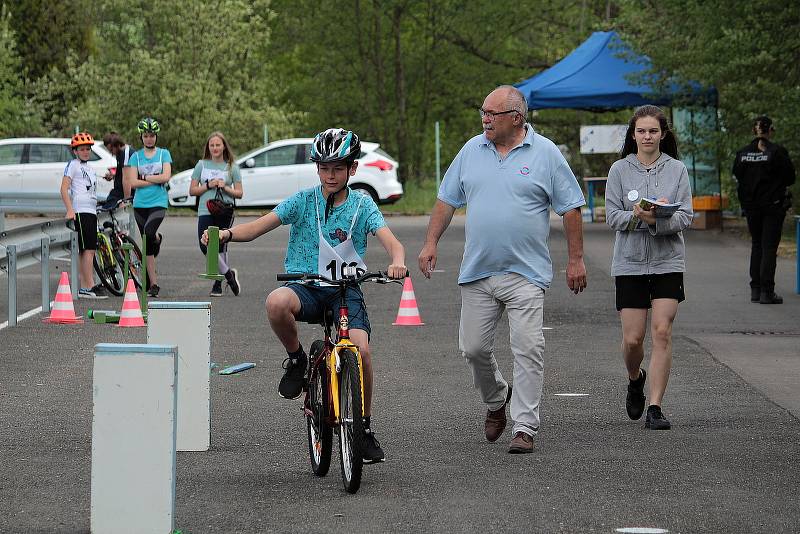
[(602, 139)]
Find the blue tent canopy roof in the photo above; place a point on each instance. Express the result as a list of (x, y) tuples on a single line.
[(602, 73)]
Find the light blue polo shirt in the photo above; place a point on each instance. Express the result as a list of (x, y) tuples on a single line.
[(508, 205)]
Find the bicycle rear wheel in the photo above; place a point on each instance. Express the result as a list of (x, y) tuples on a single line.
[(108, 269), (351, 429), (320, 433), (136, 262)]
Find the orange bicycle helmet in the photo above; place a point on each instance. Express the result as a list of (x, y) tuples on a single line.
[(80, 139)]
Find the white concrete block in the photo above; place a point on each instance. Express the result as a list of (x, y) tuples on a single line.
[(187, 325), (133, 439)]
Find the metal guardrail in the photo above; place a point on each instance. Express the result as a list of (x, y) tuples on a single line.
[(36, 243), (20, 202)]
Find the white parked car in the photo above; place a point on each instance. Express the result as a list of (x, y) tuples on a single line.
[(36, 164), (278, 170)]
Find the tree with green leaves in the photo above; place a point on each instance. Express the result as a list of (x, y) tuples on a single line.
[(390, 69), (12, 101), (741, 48)]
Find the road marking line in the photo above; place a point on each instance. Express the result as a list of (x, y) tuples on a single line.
[(24, 316), (642, 530), (571, 394)]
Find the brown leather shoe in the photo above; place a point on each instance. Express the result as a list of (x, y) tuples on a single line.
[(496, 420), (521, 444)]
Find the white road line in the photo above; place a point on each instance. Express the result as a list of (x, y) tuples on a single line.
[(642, 530), (25, 315), (571, 394)]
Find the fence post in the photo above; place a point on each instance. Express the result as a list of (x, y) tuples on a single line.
[(797, 253), (188, 326), (73, 268), (11, 251), (133, 438), (45, 261), (438, 159)]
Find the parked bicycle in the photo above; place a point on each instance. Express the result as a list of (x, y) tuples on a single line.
[(334, 384), (109, 258)]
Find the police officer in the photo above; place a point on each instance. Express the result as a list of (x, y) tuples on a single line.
[(764, 171)]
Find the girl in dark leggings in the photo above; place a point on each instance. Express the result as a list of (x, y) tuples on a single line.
[(217, 172), (148, 171)]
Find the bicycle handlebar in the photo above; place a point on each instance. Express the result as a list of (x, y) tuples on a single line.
[(380, 277)]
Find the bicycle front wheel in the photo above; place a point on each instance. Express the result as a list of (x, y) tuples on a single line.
[(136, 264), (351, 429), (320, 433), (108, 269)]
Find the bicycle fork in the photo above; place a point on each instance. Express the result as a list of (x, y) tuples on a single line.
[(335, 368)]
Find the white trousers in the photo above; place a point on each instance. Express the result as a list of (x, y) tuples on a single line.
[(482, 306)]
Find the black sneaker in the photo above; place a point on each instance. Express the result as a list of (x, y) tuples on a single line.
[(216, 289), (153, 291), (371, 448), (634, 402), (655, 419), (232, 276), (293, 379), (755, 294), (770, 297), (100, 291), (91, 293)]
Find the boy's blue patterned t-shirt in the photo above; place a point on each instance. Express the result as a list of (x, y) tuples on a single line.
[(298, 210)]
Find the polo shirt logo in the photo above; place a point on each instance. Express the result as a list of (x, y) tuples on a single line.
[(525, 171)]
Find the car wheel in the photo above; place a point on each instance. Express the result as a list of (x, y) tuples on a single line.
[(367, 190)]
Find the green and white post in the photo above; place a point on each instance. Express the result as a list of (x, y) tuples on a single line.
[(212, 256)]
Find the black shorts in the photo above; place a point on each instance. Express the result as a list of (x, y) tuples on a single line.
[(86, 226), (638, 291)]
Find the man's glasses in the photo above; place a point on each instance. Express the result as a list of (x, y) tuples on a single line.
[(493, 114)]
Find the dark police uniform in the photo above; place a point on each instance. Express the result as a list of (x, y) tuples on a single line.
[(763, 178)]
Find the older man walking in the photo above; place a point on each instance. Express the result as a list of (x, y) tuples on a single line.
[(508, 177)]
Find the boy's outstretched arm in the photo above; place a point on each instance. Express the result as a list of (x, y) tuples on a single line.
[(247, 231), (396, 252)]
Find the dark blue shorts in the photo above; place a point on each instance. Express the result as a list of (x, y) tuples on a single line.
[(314, 300)]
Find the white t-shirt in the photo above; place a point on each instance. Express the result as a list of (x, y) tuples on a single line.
[(83, 186)]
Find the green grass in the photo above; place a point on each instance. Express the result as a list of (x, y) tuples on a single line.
[(418, 199)]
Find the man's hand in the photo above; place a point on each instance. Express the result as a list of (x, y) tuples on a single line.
[(397, 271), (427, 260), (70, 215), (576, 275)]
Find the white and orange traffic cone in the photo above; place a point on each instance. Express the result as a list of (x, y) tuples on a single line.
[(408, 314), (131, 314), (63, 311)]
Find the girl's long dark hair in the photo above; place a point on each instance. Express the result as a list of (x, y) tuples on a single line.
[(668, 145)]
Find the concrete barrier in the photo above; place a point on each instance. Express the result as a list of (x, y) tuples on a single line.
[(187, 325), (133, 439)]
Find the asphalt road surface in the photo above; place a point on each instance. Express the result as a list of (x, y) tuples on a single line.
[(729, 464)]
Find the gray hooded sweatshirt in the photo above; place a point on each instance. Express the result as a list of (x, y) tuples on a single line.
[(648, 249)]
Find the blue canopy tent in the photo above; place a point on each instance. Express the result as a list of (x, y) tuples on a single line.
[(602, 73)]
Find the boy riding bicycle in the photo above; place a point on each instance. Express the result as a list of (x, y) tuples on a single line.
[(329, 230)]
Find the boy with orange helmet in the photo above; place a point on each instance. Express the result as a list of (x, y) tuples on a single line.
[(79, 194)]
